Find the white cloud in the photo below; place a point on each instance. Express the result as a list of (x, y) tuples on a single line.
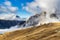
[(13, 28), (7, 7), (45, 5), (32, 7), (48, 5), (13, 9), (7, 16), (8, 3)]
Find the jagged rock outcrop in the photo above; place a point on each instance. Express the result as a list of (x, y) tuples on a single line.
[(40, 19)]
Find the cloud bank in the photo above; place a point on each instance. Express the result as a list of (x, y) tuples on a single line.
[(43, 5)]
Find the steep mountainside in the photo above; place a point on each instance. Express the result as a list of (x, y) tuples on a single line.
[(41, 18), (49, 31)]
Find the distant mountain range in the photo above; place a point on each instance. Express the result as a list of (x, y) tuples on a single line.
[(10, 17), (4, 24), (8, 20)]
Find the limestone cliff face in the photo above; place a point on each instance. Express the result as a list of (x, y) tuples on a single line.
[(49, 31)]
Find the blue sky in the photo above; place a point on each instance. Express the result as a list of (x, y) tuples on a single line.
[(19, 4), (27, 8)]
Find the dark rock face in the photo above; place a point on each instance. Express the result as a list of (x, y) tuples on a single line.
[(8, 23), (17, 17), (53, 15)]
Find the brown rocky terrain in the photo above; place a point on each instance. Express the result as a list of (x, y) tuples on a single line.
[(49, 31)]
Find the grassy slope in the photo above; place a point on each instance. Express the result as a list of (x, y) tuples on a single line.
[(49, 31)]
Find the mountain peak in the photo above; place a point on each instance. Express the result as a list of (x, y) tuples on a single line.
[(42, 18), (8, 16), (17, 16)]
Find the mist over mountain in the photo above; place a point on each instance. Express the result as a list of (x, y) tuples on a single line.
[(40, 19), (44, 24), (45, 11)]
